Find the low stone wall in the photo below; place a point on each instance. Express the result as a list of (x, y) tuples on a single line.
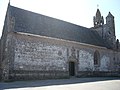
[(98, 74), (42, 75), (37, 75)]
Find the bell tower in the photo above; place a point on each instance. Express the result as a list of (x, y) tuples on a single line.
[(107, 30), (98, 20)]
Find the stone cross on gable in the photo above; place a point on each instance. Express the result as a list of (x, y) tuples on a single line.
[(9, 1), (97, 5)]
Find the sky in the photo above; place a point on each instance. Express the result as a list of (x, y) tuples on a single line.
[(79, 12)]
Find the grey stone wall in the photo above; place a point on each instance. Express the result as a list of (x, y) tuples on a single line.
[(117, 62), (33, 57), (36, 58), (39, 56), (7, 58), (7, 47), (86, 60)]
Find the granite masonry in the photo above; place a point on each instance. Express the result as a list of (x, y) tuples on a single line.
[(34, 46)]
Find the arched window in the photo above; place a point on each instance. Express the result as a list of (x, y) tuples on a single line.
[(96, 58)]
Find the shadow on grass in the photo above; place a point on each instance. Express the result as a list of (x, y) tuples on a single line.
[(40, 83)]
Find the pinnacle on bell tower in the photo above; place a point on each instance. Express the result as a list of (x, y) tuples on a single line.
[(98, 20), (110, 22)]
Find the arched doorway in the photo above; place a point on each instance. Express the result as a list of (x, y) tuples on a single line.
[(71, 68), (96, 58)]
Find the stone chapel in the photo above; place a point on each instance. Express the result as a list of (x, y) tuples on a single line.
[(35, 46)]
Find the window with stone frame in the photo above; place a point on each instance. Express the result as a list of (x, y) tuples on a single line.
[(96, 58)]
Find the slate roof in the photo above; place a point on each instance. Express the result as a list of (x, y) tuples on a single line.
[(33, 23)]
